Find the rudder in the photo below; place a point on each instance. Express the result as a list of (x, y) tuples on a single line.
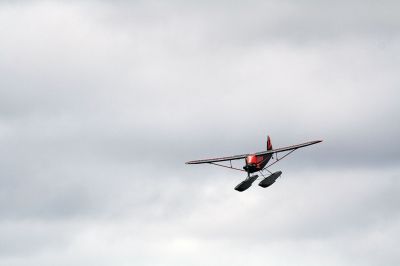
[(269, 144)]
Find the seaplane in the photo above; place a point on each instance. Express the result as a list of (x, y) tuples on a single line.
[(256, 162)]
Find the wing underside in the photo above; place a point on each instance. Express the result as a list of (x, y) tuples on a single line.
[(220, 159), (242, 156), (289, 148)]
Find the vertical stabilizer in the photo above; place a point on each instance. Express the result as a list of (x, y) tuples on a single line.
[(269, 144)]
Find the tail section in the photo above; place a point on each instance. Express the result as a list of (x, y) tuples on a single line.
[(269, 144)]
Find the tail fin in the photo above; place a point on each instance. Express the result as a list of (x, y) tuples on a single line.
[(269, 144)]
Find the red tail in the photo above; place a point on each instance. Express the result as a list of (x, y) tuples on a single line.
[(269, 144)]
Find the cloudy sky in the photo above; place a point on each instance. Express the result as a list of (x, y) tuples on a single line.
[(102, 102)]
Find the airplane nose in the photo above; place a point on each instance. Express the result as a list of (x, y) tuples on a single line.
[(251, 159)]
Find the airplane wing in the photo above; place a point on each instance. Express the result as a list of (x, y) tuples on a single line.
[(220, 159), (242, 156), (289, 148)]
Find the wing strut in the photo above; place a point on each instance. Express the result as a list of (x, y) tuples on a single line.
[(278, 159), (230, 167)]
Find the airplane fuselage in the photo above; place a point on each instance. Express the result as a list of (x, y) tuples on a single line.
[(255, 163)]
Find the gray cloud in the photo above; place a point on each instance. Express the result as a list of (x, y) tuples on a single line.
[(103, 102)]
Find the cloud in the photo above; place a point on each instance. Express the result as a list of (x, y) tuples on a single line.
[(102, 103)]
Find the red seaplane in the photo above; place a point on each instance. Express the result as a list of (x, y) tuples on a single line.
[(256, 162)]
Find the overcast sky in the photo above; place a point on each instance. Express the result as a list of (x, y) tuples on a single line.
[(102, 102)]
